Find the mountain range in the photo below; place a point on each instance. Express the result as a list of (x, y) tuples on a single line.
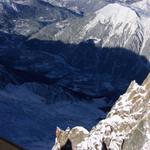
[(60, 58)]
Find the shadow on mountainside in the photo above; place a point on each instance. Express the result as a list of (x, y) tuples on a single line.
[(81, 69), (59, 71)]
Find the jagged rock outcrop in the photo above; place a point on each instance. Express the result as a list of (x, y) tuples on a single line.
[(127, 117), (68, 139)]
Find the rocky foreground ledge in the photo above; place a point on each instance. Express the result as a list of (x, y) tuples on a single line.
[(126, 127)]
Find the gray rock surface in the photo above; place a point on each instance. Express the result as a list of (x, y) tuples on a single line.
[(139, 138)]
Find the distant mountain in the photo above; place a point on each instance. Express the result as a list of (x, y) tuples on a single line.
[(114, 25), (28, 17), (109, 23)]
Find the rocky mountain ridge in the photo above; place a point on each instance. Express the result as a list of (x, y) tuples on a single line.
[(127, 117)]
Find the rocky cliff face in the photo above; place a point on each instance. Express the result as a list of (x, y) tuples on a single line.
[(139, 139), (126, 126)]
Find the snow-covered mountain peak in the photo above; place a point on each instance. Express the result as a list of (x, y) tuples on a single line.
[(117, 20), (117, 14), (121, 12)]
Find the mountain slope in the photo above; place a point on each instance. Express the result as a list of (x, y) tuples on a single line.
[(28, 17), (108, 23), (114, 25), (129, 113)]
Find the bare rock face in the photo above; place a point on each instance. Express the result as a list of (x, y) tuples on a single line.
[(68, 139), (140, 137), (126, 124)]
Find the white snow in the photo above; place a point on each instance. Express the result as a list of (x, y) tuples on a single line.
[(142, 8), (119, 17), (115, 14)]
